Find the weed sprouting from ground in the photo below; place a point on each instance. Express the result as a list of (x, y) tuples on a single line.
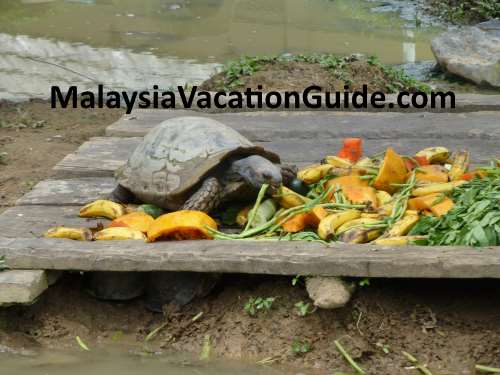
[(254, 305)]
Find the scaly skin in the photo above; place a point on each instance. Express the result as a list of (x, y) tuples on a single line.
[(206, 198)]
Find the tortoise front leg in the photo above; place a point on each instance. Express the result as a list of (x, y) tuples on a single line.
[(121, 195), (206, 198)]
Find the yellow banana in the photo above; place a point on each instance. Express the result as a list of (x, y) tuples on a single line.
[(402, 226), (78, 234), (437, 188), (356, 223), (360, 235), (435, 155), (288, 198), (460, 165), (103, 208), (365, 163), (242, 217), (328, 225), (338, 162), (314, 173), (383, 197), (119, 233), (397, 241), (371, 215)]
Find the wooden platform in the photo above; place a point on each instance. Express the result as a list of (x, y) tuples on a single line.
[(300, 138)]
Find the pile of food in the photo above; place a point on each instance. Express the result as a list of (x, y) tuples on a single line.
[(387, 199)]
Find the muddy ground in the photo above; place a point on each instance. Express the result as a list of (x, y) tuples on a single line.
[(449, 325), (34, 137)]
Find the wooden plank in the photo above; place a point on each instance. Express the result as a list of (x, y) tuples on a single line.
[(101, 156), (271, 126), (76, 191), (22, 286), (261, 257), (33, 221)]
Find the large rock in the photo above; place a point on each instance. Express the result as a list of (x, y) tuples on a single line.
[(329, 292), (471, 52)]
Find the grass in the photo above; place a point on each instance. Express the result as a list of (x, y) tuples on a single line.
[(303, 309), (254, 305), (235, 70), (466, 11), (300, 347)]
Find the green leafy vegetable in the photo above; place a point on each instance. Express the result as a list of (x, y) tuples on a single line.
[(473, 221)]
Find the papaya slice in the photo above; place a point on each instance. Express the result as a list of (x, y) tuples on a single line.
[(136, 220), (432, 173), (182, 225), (392, 171)]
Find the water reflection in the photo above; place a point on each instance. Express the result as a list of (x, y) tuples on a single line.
[(132, 44), (30, 66)]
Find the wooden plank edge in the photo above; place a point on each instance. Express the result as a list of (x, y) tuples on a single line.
[(253, 257)]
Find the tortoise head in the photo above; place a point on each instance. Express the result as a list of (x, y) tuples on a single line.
[(257, 170)]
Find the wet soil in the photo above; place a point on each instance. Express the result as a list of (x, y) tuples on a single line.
[(297, 75), (447, 325), (34, 137)]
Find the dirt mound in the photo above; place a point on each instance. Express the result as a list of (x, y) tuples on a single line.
[(276, 74), (431, 319)]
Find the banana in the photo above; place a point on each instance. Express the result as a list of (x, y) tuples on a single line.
[(437, 188), (434, 155), (397, 241), (119, 233), (288, 198), (383, 197), (103, 208), (371, 215), (242, 216), (355, 223), (338, 162), (78, 234), (328, 225), (402, 226), (460, 165), (360, 235), (314, 173), (365, 163)]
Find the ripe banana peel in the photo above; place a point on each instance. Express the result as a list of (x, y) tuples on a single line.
[(402, 226), (434, 155), (314, 173), (328, 225), (337, 161), (460, 165), (437, 188), (383, 197), (103, 208), (288, 198), (77, 234), (119, 233), (356, 223), (397, 240), (360, 235)]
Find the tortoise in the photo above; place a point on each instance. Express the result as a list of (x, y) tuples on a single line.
[(192, 163), (195, 163)]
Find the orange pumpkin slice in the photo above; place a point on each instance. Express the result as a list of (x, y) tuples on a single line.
[(135, 220), (181, 225)]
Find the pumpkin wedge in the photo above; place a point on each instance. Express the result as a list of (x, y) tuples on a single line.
[(182, 225)]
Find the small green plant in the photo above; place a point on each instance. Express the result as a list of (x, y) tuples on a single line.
[(296, 279), (254, 305), (3, 158), (364, 282), (303, 308), (300, 347), (2, 263)]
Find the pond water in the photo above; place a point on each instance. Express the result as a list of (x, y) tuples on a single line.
[(116, 361), (133, 44)]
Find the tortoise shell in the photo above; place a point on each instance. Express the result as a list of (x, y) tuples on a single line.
[(176, 156)]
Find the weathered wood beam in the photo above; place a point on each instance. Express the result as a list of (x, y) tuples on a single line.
[(257, 257), (22, 286)]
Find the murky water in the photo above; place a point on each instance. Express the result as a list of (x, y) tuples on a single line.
[(115, 361), (136, 44)]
